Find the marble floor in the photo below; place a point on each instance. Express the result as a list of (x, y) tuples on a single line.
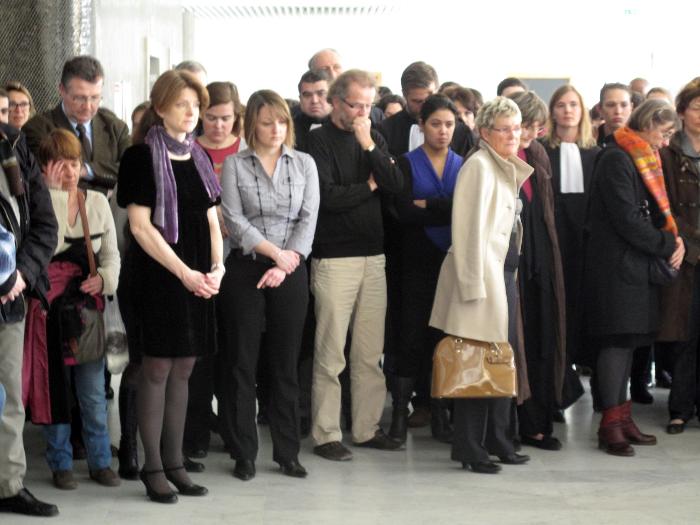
[(578, 485)]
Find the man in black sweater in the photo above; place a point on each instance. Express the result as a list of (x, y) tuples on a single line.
[(347, 270)]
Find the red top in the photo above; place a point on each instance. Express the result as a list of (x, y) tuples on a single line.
[(218, 156)]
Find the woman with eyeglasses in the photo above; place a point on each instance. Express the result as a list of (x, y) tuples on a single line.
[(680, 303), (270, 204), (633, 238), (476, 294), (572, 151), (541, 284), (21, 104)]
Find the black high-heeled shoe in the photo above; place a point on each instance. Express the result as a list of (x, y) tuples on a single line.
[(153, 495), (186, 489)]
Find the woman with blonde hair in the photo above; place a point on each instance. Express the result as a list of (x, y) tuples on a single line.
[(572, 152), (173, 268), (270, 204)]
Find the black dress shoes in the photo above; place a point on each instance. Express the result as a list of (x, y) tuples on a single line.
[(186, 489), (245, 469), (153, 495), (482, 467), (548, 442), (381, 441), (675, 428), (514, 459), (193, 466), (293, 469), (24, 502)]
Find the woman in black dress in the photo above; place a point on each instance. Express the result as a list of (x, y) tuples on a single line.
[(173, 269)]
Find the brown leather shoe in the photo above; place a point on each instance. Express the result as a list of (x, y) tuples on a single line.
[(105, 477), (630, 429), (64, 480), (611, 435)]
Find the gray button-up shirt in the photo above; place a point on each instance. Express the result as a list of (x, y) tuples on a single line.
[(282, 209)]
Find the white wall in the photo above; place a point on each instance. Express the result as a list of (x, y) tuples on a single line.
[(474, 43), (126, 32)]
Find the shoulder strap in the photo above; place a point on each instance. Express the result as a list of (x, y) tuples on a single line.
[(86, 234)]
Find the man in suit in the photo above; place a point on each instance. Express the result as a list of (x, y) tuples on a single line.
[(103, 136)]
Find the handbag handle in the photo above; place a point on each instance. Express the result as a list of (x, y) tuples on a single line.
[(494, 354), (86, 234)]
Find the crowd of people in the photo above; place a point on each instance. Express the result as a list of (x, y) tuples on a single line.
[(298, 260)]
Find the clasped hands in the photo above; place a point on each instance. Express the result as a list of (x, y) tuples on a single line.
[(286, 262), (204, 285)]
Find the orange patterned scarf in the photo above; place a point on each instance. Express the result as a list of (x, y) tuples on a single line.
[(648, 164)]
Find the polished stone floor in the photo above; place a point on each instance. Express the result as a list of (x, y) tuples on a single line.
[(578, 485)]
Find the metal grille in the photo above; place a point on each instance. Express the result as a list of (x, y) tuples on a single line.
[(37, 37), (276, 10)]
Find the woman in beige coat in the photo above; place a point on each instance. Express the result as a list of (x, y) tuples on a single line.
[(476, 293)]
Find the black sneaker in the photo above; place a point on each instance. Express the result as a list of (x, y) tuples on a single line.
[(381, 441), (24, 502), (335, 451)]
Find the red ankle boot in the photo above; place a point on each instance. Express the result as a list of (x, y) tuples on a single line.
[(630, 429), (611, 435)]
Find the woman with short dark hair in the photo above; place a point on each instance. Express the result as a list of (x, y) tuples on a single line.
[(632, 231)]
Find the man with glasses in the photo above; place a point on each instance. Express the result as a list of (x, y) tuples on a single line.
[(347, 270), (103, 136)]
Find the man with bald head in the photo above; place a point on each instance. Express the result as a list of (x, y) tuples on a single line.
[(328, 61)]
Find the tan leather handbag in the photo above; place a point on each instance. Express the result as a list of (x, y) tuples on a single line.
[(464, 368)]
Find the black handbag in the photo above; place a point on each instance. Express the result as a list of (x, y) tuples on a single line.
[(660, 270)]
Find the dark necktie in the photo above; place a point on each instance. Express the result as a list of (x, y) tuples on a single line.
[(84, 142)]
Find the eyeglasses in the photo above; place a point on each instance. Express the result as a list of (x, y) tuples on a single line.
[(536, 129), (508, 130), (357, 105), (19, 105), (83, 100)]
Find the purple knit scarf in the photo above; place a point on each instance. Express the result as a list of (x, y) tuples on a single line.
[(165, 213)]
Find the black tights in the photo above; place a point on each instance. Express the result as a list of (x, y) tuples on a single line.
[(162, 407), (613, 371)]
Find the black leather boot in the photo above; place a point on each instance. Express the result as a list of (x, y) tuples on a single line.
[(440, 421), (401, 390), (128, 459)]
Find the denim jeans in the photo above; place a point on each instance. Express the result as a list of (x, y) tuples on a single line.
[(90, 387)]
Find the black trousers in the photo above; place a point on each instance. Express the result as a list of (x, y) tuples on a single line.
[(417, 340), (247, 312), (481, 428), (684, 399)]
